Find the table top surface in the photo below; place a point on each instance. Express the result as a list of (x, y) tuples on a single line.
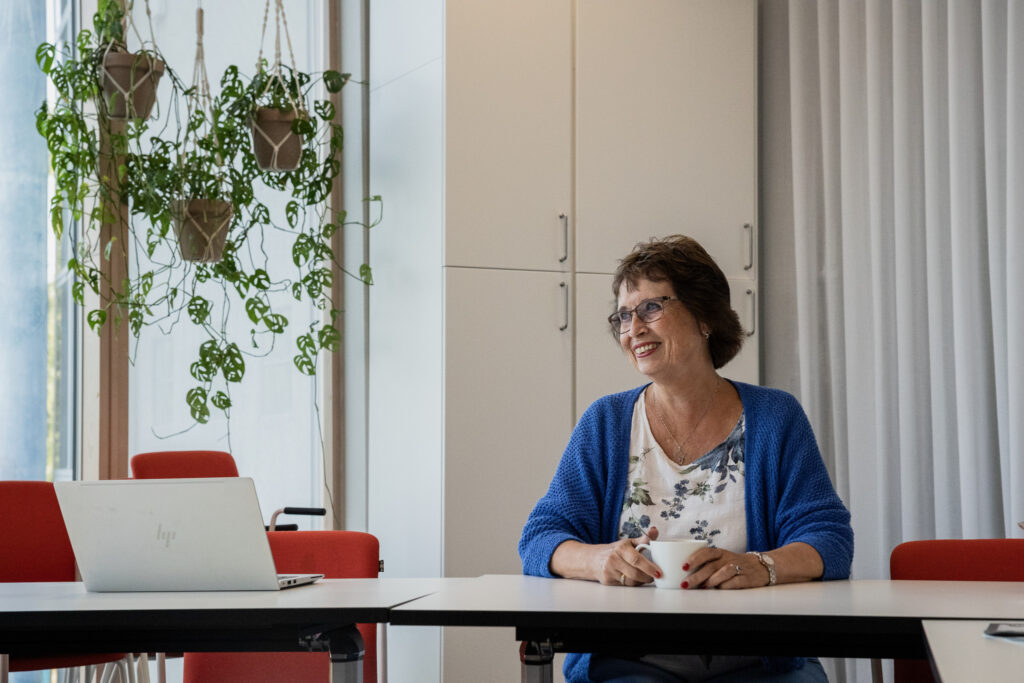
[(382, 594), (505, 600), (962, 652)]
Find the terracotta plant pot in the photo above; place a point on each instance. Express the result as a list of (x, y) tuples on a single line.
[(135, 75), (202, 228), (272, 132)]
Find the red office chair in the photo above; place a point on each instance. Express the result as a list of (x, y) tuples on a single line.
[(986, 559), (336, 555), (183, 464), (36, 548)]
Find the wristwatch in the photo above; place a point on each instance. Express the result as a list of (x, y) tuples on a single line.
[(768, 563)]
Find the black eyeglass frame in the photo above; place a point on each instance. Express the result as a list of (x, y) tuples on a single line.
[(615, 319)]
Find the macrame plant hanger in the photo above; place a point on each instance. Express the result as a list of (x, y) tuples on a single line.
[(202, 224), (275, 73), (148, 78)]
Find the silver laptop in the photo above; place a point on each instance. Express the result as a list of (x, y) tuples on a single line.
[(170, 535)]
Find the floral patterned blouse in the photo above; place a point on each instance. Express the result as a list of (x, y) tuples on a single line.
[(703, 499)]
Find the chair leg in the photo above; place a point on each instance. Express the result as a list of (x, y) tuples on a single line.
[(4, 666), (382, 653), (876, 671), (142, 669), (161, 667)]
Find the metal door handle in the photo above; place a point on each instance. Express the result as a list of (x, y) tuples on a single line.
[(565, 238), (565, 300), (753, 312), (750, 246)]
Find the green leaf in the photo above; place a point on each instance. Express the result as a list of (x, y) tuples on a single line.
[(201, 372), (255, 308), (275, 322), (260, 279), (233, 366), (304, 364), (196, 399), (330, 338), (199, 309), (44, 57), (96, 318), (301, 249), (291, 212), (306, 345), (366, 274), (324, 109), (221, 400), (335, 81)]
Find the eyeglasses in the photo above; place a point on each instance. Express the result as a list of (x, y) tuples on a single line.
[(647, 310)]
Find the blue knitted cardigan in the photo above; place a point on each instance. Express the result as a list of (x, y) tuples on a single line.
[(789, 496)]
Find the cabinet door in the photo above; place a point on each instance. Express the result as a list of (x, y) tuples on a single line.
[(508, 409), (508, 416), (666, 128), (508, 137), (746, 366), (601, 366)]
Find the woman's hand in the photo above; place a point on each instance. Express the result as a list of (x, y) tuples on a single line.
[(608, 563), (717, 568)]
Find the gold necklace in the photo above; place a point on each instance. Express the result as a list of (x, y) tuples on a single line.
[(678, 455)]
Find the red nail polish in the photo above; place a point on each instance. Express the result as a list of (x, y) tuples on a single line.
[(657, 575), (686, 567), (685, 584)]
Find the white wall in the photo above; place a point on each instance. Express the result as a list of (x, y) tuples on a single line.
[(405, 346)]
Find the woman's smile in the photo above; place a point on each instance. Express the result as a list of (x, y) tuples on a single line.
[(645, 349)]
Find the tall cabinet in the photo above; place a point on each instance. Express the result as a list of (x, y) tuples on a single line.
[(521, 149)]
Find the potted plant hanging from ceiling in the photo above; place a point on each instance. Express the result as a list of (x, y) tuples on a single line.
[(202, 216), (129, 79), (275, 101), (194, 214)]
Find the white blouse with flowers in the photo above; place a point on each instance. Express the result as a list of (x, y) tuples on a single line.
[(704, 499)]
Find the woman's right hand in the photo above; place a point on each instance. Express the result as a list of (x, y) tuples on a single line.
[(608, 563)]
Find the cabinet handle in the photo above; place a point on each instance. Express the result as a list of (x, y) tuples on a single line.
[(750, 246), (753, 312), (565, 300), (565, 238)]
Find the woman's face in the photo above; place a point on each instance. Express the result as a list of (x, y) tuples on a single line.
[(671, 344)]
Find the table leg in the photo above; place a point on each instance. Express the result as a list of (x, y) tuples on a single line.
[(536, 659), (346, 648)]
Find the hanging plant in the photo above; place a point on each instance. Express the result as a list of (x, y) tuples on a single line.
[(181, 194)]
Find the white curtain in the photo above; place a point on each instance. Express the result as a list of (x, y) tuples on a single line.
[(905, 181)]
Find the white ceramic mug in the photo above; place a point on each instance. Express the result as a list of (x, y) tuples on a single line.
[(670, 555)]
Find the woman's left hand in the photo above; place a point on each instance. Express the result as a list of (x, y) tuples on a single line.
[(717, 568)]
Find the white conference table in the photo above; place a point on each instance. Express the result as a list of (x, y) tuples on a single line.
[(881, 619), (43, 619), (961, 652)]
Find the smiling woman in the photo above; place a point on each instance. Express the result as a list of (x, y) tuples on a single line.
[(691, 455)]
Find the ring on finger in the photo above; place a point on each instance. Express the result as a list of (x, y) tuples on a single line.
[(622, 579), (739, 570)]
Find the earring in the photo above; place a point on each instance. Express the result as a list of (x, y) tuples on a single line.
[(707, 334)]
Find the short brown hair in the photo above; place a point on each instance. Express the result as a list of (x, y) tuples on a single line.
[(698, 282)]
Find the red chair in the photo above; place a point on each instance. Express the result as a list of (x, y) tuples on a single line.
[(36, 548), (336, 555), (183, 464), (986, 559)]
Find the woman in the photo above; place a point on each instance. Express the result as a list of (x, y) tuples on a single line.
[(689, 455)]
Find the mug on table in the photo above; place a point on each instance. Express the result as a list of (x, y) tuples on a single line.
[(670, 554)]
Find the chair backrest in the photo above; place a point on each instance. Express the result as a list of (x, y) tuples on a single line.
[(34, 540), (183, 464), (984, 559), (336, 555)]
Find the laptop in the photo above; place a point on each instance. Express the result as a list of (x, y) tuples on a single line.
[(170, 535)]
